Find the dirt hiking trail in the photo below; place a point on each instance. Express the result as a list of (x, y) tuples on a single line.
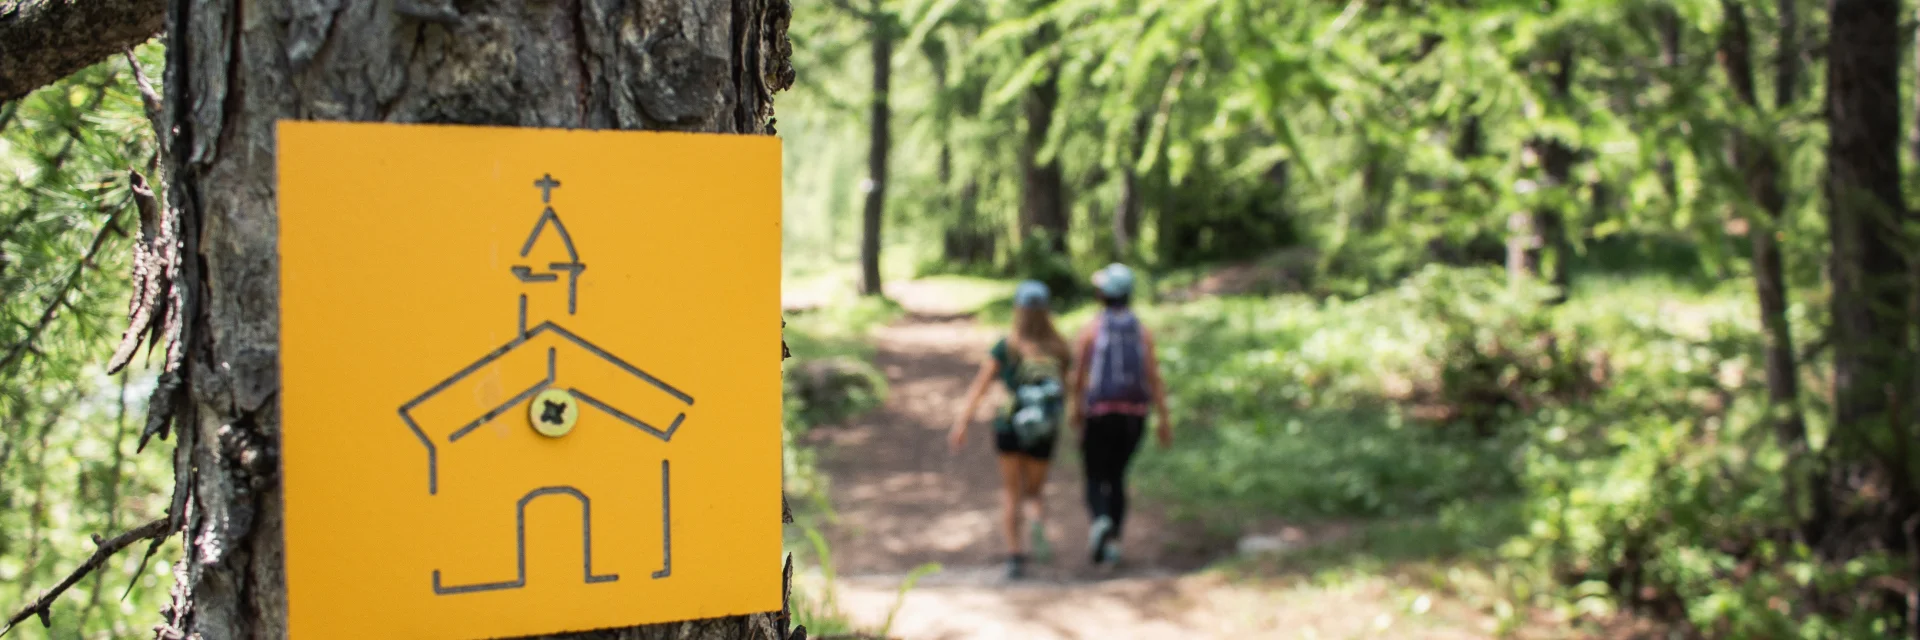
[(902, 499)]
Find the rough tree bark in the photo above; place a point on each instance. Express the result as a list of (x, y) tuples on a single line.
[(237, 66), (42, 41), (880, 138), (1871, 491), (1759, 161)]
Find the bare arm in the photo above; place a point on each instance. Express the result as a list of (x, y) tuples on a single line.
[(1077, 376), (1158, 387), (988, 370)]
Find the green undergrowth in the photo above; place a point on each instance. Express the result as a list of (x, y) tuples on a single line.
[(830, 378), (1451, 554), (1628, 427), (838, 330), (1605, 456)]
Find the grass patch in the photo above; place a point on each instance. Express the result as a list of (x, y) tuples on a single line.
[(839, 330), (1458, 533)]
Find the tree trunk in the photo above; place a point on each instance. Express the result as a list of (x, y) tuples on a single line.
[(1470, 137), (235, 67), (880, 139), (1872, 434), (1539, 231), (1786, 68), (1126, 211), (1913, 261), (1372, 200), (964, 242), (1667, 22), (1760, 163), (1042, 197)]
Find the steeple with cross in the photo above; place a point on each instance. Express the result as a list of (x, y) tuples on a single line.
[(546, 184), (550, 272)]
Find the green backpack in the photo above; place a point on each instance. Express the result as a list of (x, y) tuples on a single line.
[(1038, 396)]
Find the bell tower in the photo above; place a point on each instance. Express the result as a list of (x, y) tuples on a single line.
[(541, 273)]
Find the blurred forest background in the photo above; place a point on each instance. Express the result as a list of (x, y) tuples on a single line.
[(1608, 306)]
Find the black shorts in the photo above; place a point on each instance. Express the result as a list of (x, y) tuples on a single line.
[(1006, 442)]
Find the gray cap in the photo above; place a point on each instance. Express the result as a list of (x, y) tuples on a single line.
[(1114, 281)]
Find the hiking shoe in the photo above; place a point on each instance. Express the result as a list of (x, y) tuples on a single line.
[(1111, 551), (1042, 550), (1016, 567), (1098, 536)]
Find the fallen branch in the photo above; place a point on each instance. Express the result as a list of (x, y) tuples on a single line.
[(42, 607)]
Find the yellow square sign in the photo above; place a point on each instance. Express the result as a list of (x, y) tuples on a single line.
[(528, 378)]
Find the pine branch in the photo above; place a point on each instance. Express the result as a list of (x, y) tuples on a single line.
[(43, 606), (59, 159), (59, 297)]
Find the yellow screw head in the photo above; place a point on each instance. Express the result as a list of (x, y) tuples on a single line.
[(553, 412)]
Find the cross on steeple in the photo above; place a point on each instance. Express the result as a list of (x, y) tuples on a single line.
[(546, 184)]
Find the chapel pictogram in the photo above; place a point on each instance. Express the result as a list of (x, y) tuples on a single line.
[(553, 406)]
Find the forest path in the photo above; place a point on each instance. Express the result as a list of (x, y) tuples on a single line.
[(901, 499)]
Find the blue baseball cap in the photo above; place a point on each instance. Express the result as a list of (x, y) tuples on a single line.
[(1114, 281), (1030, 294)]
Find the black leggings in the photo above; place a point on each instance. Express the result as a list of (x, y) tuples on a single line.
[(1107, 449)]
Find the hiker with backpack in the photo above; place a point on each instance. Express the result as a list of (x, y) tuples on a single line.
[(1031, 362), (1115, 383)]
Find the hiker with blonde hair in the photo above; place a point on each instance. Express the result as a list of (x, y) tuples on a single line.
[(1031, 362)]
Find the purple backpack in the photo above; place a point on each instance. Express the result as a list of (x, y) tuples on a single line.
[(1117, 371)]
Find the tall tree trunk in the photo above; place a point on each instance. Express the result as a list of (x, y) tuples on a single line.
[(980, 239), (237, 66), (1042, 188), (964, 242), (1872, 433), (880, 139), (1126, 211), (1667, 23), (1760, 162), (1372, 201), (1786, 67), (1470, 137), (1533, 233)]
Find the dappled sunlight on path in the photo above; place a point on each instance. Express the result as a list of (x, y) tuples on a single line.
[(901, 499)]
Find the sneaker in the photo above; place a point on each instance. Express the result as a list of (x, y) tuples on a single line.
[(1111, 551), (1097, 538), (1042, 550), (1016, 567)]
